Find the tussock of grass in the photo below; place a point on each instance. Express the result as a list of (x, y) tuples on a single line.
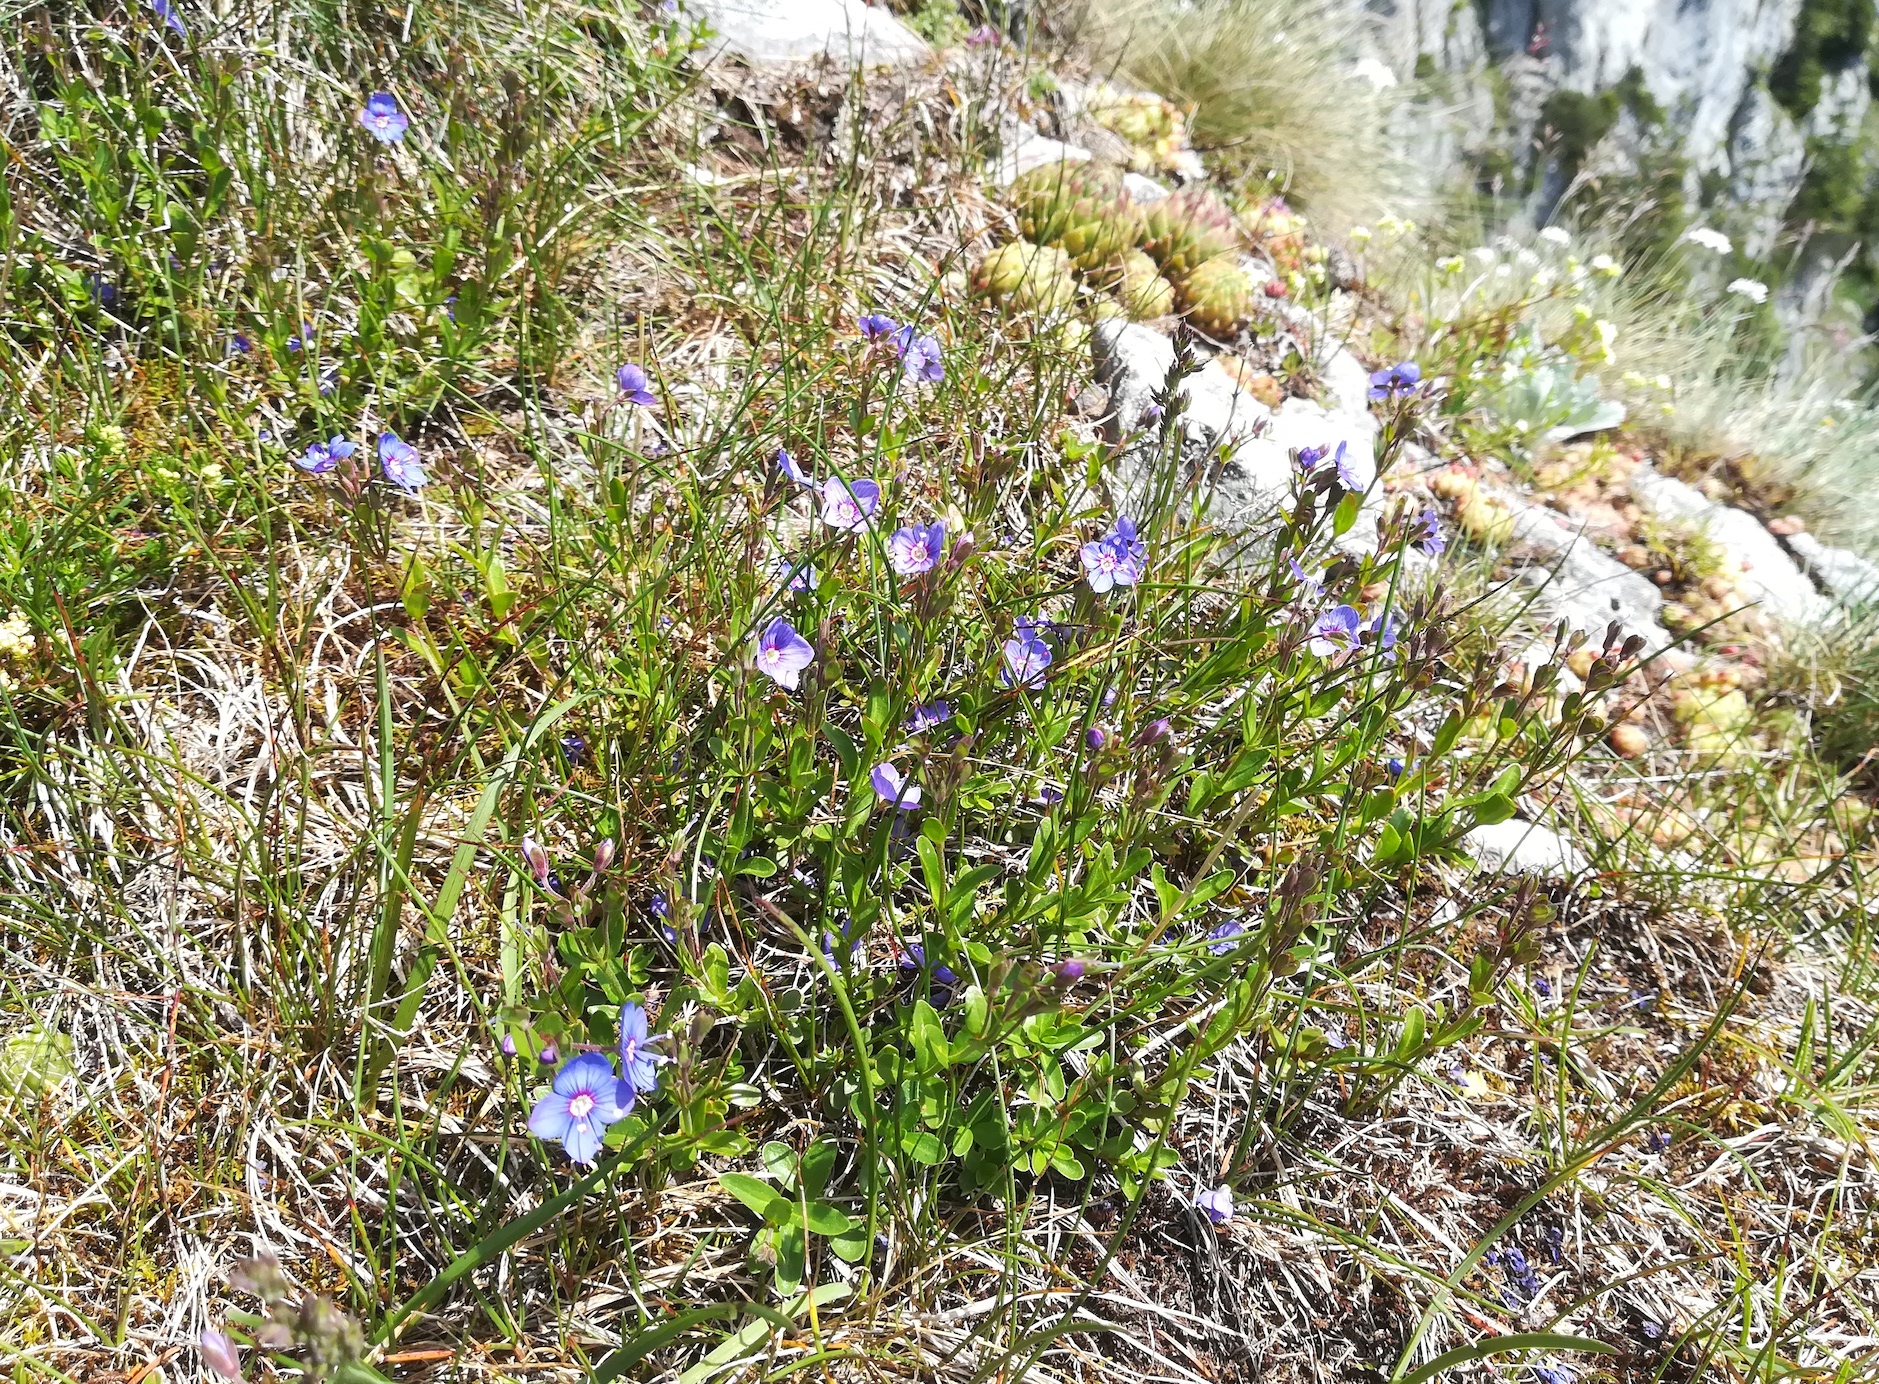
[(274, 744)]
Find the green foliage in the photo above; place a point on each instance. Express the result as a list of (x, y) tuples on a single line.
[(1829, 37)]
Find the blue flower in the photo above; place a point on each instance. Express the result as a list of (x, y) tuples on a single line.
[(942, 981), (302, 338), (1400, 378), (1336, 631), (878, 326), (917, 548), (632, 381), (892, 788), (1550, 1374), (849, 507), (1308, 457), (1118, 558), (400, 462), (322, 457), (1026, 656), (920, 357), (1346, 472), (382, 118), (239, 345), (1430, 540), (586, 1099), (1384, 628), (1225, 937), (1393, 767), (782, 654), (796, 578), (639, 1064), (787, 464), (167, 13), (1216, 1204), (927, 716), (573, 747)]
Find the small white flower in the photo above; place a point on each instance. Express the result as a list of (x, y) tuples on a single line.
[(1483, 254), (1708, 239), (1751, 289), (1556, 235), (1543, 278), (1360, 236), (1526, 257), (1375, 73), (1603, 264)]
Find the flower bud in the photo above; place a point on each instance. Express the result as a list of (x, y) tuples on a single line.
[(537, 859), (507, 1045), (1070, 971), (603, 855), (1154, 733), (549, 1055), (1096, 737)]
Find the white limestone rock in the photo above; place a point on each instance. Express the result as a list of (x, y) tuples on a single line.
[(1850, 578), (1024, 149), (1577, 581), (784, 31), (1514, 847), (1143, 188), (1768, 575), (1255, 478)]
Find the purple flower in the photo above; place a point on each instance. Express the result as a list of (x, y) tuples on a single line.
[(382, 118), (1026, 656), (1384, 628), (1430, 540), (1116, 559), (633, 385), (1336, 631), (787, 465), (549, 1055), (878, 326), (1658, 1141), (167, 13), (1308, 457), (639, 1064), (1154, 733), (782, 654), (1222, 938), (1216, 1204), (917, 548), (1346, 473), (927, 716), (586, 1099), (535, 856), (239, 345), (1071, 970), (1400, 378), (1551, 1374), (573, 747), (982, 36), (1096, 738), (849, 507), (894, 790), (507, 1045), (218, 1352), (795, 578), (399, 461), (920, 357), (299, 340), (943, 978), (321, 457), (1393, 767), (1543, 987)]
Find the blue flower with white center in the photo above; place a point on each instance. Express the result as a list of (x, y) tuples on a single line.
[(584, 1101), (382, 118), (322, 457), (400, 462), (639, 1059)]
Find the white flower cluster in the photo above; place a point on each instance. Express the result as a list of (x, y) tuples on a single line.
[(1752, 289), (1708, 239)]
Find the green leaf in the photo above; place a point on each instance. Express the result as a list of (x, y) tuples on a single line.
[(1505, 1345), (851, 1245), (779, 1160), (924, 1148), (845, 750), (791, 1249), (1495, 807), (1346, 515), (757, 1195), (824, 1219), (818, 1161), (758, 867)]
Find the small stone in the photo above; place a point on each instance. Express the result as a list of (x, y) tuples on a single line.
[(1628, 741), (1636, 556), (1092, 401), (1663, 576), (1787, 525), (1524, 848), (785, 31)]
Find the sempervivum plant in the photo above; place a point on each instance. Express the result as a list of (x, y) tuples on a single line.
[(1186, 229), (1217, 297), (1082, 208), (1027, 277)]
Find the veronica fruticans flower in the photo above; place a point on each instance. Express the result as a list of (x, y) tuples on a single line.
[(1116, 559), (634, 385), (782, 654), (877, 326), (1216, 1204), (400, 462), (788, 466), (1400, 378), (920, 357), (220, 1355), (1026, 656), (795, 578), (1224, 937), (917, 548), (927, 716), (322, 457), (893, 788), (849, 507), (1346, 472), (1336, 631), (382, 118), (1384, 628), (167, 13), (639, 1063), (584, 1101), (1430, 540)]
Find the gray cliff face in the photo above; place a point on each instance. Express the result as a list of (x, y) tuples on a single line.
[(1682, 78)]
